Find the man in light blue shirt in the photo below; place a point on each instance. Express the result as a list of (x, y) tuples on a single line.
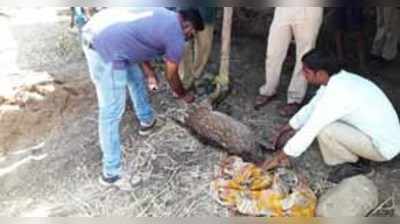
[(116, 42)]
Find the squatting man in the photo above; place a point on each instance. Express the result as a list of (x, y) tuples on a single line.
[(350, 116)]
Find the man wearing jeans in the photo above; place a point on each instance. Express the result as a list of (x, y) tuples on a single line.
[(115, 41)]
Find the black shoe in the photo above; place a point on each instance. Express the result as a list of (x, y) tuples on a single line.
[(155, 126), (105, 181), (380, 62), (347, 170), (124, 183), (146, 130), (373, 57)]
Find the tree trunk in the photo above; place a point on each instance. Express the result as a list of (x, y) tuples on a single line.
[(226, 43)]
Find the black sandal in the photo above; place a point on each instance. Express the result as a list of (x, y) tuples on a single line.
[(347, 170)]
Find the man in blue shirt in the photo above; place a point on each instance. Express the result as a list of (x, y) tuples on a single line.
[(116, 41)]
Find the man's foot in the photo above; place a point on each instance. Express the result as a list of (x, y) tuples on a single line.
[(149, 129), (124, 183), (289, 109), (374, 57), (347, 170), (262, 100), (380, 62), (204, 87)]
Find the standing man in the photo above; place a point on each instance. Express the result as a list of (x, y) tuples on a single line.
[(79, 17), (302, 23), (350, 116), (116, 42), (385, 46), (349, 20), (198, 50)]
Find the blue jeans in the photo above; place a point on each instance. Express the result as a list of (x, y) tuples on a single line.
[(111, 95)]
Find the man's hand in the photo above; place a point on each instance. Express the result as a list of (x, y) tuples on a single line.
[(282, 137), (152, 81), (188, 98), (173, 79), (280, 159)]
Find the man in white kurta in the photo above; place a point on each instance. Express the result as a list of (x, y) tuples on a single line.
[(350, 116), (302, 24)]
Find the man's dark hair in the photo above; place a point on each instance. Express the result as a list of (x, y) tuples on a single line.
[(193, 16), (318, 59)]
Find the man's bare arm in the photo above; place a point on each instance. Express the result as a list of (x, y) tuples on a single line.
[(172, 76), (285, 133), (148, 69), (171, 73)]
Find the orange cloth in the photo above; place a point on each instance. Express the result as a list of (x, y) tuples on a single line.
[(249, 190)]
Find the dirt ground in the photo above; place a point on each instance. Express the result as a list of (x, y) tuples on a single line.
[(50, 156)]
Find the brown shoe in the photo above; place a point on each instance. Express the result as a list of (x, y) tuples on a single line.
[(262, 100), (289, 109)]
